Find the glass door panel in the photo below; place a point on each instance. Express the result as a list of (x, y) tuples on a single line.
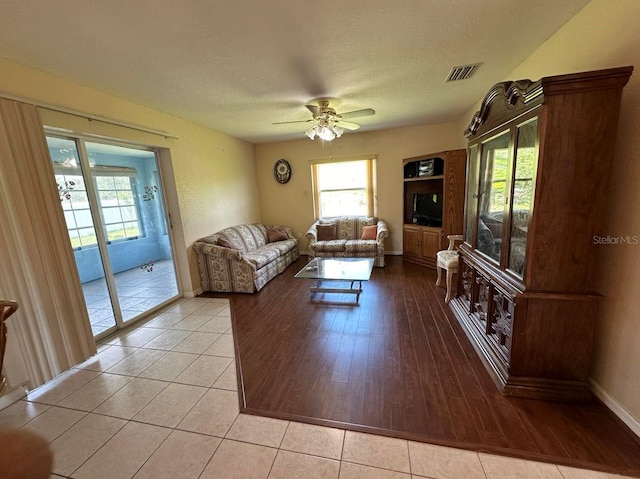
[(129, 194), (494, 168), (115, 214), (523, 188), (76, 206)]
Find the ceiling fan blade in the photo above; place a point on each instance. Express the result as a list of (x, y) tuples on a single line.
[(314, 109), (295, 121), (357, 113), (347, 125)]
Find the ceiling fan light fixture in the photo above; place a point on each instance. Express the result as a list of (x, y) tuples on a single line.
[(326, 133), (325, 130), (311, 132), (327, 124)]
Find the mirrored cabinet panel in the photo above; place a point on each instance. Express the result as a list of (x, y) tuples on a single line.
[(494, 169), (524, 175)]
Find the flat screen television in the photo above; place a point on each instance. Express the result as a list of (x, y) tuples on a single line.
[(427, 209)]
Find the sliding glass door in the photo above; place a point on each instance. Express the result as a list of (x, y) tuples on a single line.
[(114, 209)]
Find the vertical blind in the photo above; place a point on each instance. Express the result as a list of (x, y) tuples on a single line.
[(37, 266)]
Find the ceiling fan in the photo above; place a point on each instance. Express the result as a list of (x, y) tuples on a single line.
[(328, 124)]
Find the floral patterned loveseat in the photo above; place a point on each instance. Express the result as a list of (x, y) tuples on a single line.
[(243, 258), (347, 238)]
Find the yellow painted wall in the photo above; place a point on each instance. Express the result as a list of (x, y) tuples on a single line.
[(214, 182), (604, 35), (292, 204)]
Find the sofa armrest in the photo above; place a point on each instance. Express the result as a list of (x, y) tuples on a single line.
[(383, 231), (224, 269), (312, 233), (215, 250)]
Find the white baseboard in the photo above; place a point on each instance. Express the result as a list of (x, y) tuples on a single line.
[(8, 398), (615, 407)]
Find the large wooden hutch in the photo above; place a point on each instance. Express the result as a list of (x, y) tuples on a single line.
[(539, 157)]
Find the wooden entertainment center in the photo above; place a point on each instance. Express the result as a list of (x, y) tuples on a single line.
[(438, 180), (539, 160)]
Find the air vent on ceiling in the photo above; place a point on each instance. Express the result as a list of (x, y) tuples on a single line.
[(462, 72)]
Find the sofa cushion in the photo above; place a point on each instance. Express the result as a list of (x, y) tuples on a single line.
[(447, 258), (245, 237), (350, 227), (369, 232), (326, 232), (277, 233), (262, 256), (226, 244), (211, 239), (283, 246), (354, 246), (333, 246)]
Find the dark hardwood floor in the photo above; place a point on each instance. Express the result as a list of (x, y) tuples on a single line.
[(399, 364)]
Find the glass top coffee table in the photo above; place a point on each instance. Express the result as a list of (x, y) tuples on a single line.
[(341, 270)]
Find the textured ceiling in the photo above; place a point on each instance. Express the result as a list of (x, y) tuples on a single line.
[(238, 66)]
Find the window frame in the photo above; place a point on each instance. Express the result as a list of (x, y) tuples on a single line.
[(370, 184), (110, 172), (69, 177), (114, 173)]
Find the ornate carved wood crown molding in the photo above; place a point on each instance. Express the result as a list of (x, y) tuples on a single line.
[(508, 93), (505, 97)]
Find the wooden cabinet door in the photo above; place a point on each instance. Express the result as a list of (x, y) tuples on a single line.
[(411, 241), (430, 240)]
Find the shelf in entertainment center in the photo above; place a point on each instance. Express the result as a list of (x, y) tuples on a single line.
[(422, 178)]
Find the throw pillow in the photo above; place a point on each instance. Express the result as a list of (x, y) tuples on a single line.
[(277, 234), (226, 244), (369, 232), (326, 232)]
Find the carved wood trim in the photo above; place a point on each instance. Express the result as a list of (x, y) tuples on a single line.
[(509, 92)]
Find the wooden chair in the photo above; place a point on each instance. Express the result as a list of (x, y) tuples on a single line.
[(447, 259), (7, 308)]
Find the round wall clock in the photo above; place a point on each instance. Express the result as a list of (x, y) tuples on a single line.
[(282, 171)]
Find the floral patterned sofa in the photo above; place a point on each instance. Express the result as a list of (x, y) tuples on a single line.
[(348, 237), (243, 258)]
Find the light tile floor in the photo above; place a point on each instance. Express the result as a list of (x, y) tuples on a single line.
[(160, 401), (138, 289)]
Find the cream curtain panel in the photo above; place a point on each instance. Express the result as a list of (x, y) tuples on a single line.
[(37, 267)]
